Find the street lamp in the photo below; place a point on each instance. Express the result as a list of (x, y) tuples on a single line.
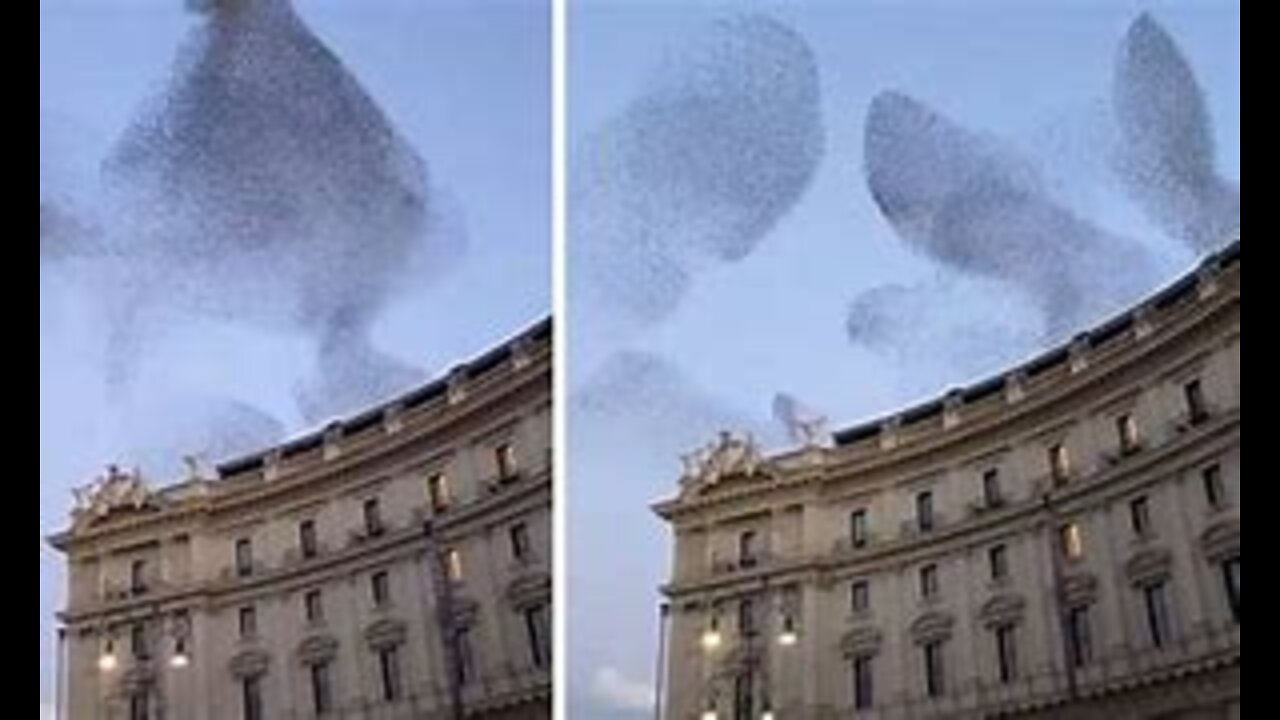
[(788, 636), (108, 661), (711, 639), (180, 657), (710, 712)]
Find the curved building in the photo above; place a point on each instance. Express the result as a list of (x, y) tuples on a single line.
[(1060, 541), (395, 565)]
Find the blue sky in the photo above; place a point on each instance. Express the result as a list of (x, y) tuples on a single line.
[(1036, 75), (468, 83)]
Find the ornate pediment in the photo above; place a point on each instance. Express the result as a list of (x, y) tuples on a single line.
[(1079, 589), (1221, 540), (529, 589), (862, 640), (317, 649), (729, 456), (1002, 609), (932, 626), (249, 663), (1148, 566), (116, 491), (385, 633)]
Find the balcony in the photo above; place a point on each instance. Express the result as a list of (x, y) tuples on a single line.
[(724, 566)]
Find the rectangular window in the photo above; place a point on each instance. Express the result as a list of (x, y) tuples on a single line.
[(504, 458), (1127, 431), (140, 705), (1197, 409), (537, 627), (251, 697), (322, 687), (138, 645), (934, 675), (248, 622), (313, 604), (862, 689), (1006, 653), (747, 550), (438, 492), (372, 517), (1231, 581), (138, 577), (1071, 541), (307, 538), (389, 670), (929, 581), (466, 661), (1214, 492), (380, 586), (1059, 464), (244, 557), (1080, 639), (746, 617), (991, 495), (858, 528), (519, 535), (1140, 516), (1157, 602), (924, 511), (744, 696), (997, 558), (860, 596)]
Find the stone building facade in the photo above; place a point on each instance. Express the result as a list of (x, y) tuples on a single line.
[(1060, 541), (395, 565)]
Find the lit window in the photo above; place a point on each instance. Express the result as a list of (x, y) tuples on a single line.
[(1127, 430), (1059, 463), (438, 492), (1072, 544), (452, 560), (504, 457)]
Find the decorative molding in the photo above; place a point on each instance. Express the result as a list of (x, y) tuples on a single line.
[(249, 663), (1003, 609), (933, 625), (1149, 566), (862, 640), (317, 649), (385, 633), (1221, 540), (1079, 589), (529, 589)]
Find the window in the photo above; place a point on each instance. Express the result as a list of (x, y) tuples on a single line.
[(1214, 492), (858, 528), (934, 682), (452, 561), (1157, 602), (519, 534), (1071, 541), (746, 617), (380, 586), (389, 670), (465, 668), (438, 492), (998, 559), (244, 557), (322, 687), (248, 622), (744, 696), (138, 577), (307, 538), (1059, 463), (860, 596), (1231, 581), (140, 705), (504, 458), (924, 511), (1193, 394), (1006, 653), (1140, 516), (1079, 638), (929, 581), (1127, 431), (372, 517), (313, 604), (862, 694), (138, 642), (537, 627), (747, 550), (991, 495), (251, 697)]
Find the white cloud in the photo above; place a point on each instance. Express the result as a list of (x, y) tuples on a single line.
[(617, 691)]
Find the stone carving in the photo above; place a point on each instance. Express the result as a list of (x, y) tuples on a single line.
[(727, 456), (116, 490)]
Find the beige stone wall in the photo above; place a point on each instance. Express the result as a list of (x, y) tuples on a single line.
[(187, 536), (799, 503)]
